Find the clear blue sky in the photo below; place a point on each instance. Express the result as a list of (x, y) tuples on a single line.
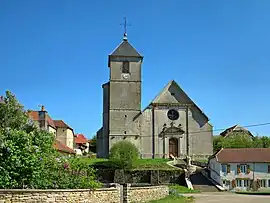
[(55, 53)]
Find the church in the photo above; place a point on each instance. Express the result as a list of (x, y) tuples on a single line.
[(171, 125)]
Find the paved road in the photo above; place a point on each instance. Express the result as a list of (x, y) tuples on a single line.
[(224, 197)]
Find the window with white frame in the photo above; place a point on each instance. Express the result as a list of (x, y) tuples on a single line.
[(263, 183), (238, 183), (243, 168), (246, 183)]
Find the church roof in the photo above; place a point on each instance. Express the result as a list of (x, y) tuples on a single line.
[(125, 49), (185, 99)]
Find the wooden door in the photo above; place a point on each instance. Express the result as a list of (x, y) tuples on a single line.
[(173, 147)]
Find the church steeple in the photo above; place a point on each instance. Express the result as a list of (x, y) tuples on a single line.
[(124, 50)]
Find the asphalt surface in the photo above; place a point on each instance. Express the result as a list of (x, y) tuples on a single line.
[(226, 197)]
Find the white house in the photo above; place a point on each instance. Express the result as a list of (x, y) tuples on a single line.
[(240, 168)]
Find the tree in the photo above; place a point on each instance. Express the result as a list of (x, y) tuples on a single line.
[(124, 153), (27, 156), (235, 140), (93, 144), (22, 145), (217, 143)]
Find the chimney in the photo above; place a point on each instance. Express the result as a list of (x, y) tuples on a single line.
[(42, 117), (42, 108)]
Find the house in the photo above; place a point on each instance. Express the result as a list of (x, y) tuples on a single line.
[(43, 119), (241, 168), (63, 149), (235, 129), (161, 129), (63, 133), (81, 144)]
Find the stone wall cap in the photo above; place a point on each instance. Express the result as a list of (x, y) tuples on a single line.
[(54, 190), (148, 187)]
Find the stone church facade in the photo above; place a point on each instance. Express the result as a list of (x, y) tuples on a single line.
[(172, 124)]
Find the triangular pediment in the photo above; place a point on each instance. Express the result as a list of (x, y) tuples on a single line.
[(125, 49), (174, 94)]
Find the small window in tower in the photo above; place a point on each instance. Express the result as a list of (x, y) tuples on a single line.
[(125, 132), (125, 116), (125, 67)]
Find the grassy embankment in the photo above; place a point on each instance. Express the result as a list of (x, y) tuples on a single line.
[(140, 164)]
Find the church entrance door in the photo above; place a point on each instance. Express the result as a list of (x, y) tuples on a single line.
[(173, 147)]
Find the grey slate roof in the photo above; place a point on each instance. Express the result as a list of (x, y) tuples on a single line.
[(125, 49)]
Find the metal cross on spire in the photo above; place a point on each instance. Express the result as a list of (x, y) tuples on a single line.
[(125, 24)]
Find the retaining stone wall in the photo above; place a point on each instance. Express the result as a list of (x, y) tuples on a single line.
[(145, 194), (108, 195)]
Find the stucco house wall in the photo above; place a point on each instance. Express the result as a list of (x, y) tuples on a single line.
[(258, 171), (66, 136)]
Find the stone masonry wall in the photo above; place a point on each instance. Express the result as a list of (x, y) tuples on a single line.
[(144, 194), (108, 195)]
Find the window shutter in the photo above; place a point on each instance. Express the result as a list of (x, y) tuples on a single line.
[(228, 168), (238, 169), (233, 183), (268, 168), (258, 183), (248, 168)]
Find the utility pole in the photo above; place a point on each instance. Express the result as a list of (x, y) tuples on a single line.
[(153, 132), (187, 135)]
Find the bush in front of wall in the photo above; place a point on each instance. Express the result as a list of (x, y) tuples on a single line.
[(123, 154)]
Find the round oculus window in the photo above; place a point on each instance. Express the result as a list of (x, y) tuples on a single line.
[(173, 114)]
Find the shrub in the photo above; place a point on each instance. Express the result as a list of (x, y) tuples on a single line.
[(123, 154)]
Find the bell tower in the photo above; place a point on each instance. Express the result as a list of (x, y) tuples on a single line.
[(124, 92)]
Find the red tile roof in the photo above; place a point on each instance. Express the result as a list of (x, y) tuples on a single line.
[(35, 116), (80, 139), (61, 124), (243, 155), (63, 148)]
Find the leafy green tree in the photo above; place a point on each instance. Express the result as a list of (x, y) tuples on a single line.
[(237, 140), (124, 153), (93, 144), (217, 143), (27, 156), (22, 145)]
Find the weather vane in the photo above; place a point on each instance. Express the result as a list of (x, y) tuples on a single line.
[(125, 24)]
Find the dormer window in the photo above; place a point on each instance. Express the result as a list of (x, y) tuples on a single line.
[(125, 67)]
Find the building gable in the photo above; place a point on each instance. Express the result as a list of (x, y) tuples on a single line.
[(174, 94)]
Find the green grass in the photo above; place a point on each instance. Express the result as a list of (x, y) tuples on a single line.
[(140, 164), (92, 161), (182, 189), (153, 164), (173, 199)]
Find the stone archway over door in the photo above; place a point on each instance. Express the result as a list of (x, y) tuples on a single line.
[(173, 146)]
